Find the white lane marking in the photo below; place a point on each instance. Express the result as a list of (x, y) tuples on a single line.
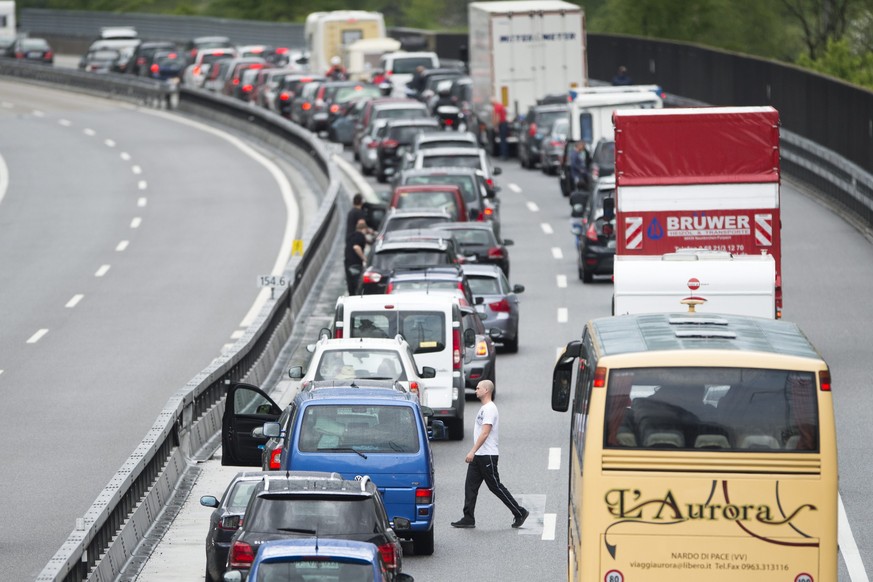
[(142, 201), (562, 281), (135, 222), (532, 206), (554, 458), (515, 188), (89, 132), (37, 336), (4, 178), (125, 156), (136, 169), (291, 209), (102, 271), (109, 143), (547, 228), (142, 184), (237, 334), (1, 372), (122, 246), (550, 520), (558, 353), (557, 253), (64, 122), (563, 315), (848, 547), (74, 301), (38, 113)]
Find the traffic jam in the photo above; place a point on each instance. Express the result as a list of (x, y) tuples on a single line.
[(338, 481)]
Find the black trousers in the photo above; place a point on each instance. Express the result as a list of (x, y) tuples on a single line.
[(484, 468), (353, 277)]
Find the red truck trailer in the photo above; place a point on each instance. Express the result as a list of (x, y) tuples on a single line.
[(704, 178)]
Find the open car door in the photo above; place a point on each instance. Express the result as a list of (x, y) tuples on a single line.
[(245, 409)]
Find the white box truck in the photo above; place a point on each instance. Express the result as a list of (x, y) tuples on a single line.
[(7, 19), (521, 51), (718, 281), (329, 33)]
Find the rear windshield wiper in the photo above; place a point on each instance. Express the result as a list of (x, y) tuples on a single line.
[(344, 449), (311, 532)]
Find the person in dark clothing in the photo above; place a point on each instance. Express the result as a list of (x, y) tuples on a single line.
[(355, 260), (355, 214), (621, 77), (417, 82)]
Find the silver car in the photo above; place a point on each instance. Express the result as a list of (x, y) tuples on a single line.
[(499, 303)]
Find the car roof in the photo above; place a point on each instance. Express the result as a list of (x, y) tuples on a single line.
[(415, 212), (451, 150), (440, 170), (551, 107), (311, 482), (358, 383), (427, 188), (321, 548), (421, 122), (481, 269), (361, 395), (472, 225), (358, 343)]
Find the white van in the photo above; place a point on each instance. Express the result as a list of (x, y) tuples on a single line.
[(718, 281), (362, 56), (431, 324), (400, 66), (591, 109)]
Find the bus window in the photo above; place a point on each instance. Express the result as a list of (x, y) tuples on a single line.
[(586, 128), (735, 409)]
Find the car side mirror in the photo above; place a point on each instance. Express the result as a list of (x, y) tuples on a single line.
[(428, 372), (209, 501), (497, 171), (508, 242), (324, 332), (518, 288), (469, 338), (437, 431), (270, 430), (295, 372)]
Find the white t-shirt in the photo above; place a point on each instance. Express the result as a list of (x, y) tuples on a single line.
[(487, 415)]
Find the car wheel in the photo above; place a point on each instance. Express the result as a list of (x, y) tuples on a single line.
[(422, 543), (587, 276), (208, 577), (381, 178), (456, 429), (366, 171), (511, 346), (356, 156)]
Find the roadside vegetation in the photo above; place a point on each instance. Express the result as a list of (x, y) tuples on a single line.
[(834, 37)]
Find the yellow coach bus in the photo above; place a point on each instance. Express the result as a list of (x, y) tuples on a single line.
[(702, 447)]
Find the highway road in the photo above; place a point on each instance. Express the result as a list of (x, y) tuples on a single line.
[(130, 243), (91, 415), (824, 291)]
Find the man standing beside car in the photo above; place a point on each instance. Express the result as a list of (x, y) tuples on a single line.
[(355, 260), (482, 462)]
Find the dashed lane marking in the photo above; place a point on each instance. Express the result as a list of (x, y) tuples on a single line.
[(237, 334), (136, 170), (122, 246), (125, 156), (38, 113), (37, 336), (554, 458), (142, 201), (557, 253), (562, 281), (102, 270), (136, 222), (74, 301), (563, 315), (532, 206), (64, 122), (142, 184), (89, 132), (109, 143), (515, 188), (547, 228), (550, 520)]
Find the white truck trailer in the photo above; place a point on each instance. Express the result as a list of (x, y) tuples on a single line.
[(521, 51), (7, 18)]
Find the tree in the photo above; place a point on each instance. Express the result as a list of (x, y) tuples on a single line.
[(822, 21)]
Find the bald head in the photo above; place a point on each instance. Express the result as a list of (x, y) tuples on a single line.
[(484, 389)]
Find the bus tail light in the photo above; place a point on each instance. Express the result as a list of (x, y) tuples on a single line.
[(599, 377), (824, 380)]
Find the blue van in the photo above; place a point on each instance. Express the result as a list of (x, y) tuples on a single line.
[(355, 431)]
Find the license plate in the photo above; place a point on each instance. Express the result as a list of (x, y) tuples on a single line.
[(34, 55)]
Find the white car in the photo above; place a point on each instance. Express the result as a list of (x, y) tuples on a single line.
[(195, 73), (365, 358)]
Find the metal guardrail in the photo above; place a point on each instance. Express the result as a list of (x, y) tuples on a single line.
[(105, 539)]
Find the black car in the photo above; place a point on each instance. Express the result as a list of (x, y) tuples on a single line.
[(289, 88), (300, 504), (166, 65), (195, 45), (405, 250), (597, 242), (226, 517), (536, 125), (477, 240), (143, 55), (33, 50), (100, 61), (394, 139)]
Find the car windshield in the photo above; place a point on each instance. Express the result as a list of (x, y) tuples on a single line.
[(411, 286), (408, 65), (451, 160), (432, 200), (398, 259), (240, 495), (345, 94), (401, 113), (604, 155), (320, 570), (104, 55), (361, 364), (170, 59), (414, 222), (368, 428), (328, 515), (34, 44), (465, 183), (561, 128), (545, 119), (727, 409), (422, 329), (406, 134)]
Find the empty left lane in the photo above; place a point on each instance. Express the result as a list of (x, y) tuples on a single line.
[(129, 248)]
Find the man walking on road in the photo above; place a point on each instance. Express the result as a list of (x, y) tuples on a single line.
[(355, 260), (482, 462)]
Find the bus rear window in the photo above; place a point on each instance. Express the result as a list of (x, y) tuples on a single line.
[(729, 409)]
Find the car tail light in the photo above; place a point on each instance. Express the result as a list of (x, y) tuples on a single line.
[(372, 277), (591, 234), (389, 143), (490, 183), (284, 97), (196, 70), (389, 555), (334, 108), (481, 348), (495, 253), (275, 459), (389, 73), (155, 68), (373, 145), (241, 555), (48, 55), (456, 349), (140, 61), (19, 55), (414, 388), (448, 121), (489, 212), (236, 81), (338, 334), (595, 172), (389, 288), (247, 88), (193, 53), (306, 106), (556, 143), (230, 522), (282, 50), (532, 129), (501, 306), (424, 495)]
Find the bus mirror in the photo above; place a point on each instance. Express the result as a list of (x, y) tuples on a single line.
[(561, 378), (572, 350)]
